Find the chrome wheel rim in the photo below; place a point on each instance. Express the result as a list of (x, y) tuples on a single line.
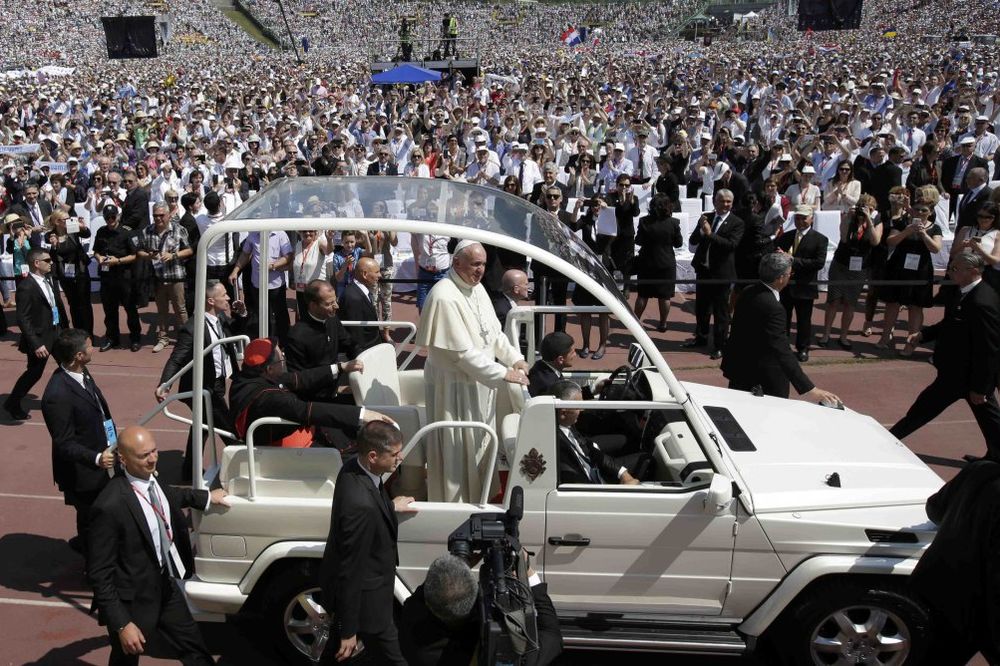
[(307, 625), (861, 635)]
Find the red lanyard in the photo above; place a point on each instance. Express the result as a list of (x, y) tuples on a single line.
[(159, 514)]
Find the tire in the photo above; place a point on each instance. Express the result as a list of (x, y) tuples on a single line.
[(853, 622), (293, 616)]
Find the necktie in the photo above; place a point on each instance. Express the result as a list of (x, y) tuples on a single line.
[(795, 245), (715, 223), (88, 384), (36, 215), (520, 175), (641, 165), (154, 501), (384, 494), (592, 473)]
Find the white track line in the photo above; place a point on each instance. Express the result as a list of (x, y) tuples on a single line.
[(37, 497), (83, 603)]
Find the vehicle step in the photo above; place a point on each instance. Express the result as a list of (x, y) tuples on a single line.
[(673, 638)]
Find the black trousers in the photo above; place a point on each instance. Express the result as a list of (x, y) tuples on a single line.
[(81, 312), (30, 377), (940, 395), (117, 292), (803, 308), (175, 626), (549, 291), (81, 503), (711, 302), (277, 306), (221, 418), (381, 649)]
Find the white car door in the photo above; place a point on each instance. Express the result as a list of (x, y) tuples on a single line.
[(637, 549)]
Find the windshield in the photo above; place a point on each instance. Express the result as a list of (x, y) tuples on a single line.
[(423, 199)]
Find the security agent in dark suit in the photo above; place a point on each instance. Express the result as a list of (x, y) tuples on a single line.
[(77, 417), (966, 355), (135, 208), (955, 172), (40, 314), (807, 248), (35, 209), (977, 194), (885, 175), (713, 242), (558, 352), (358, 304), (580, 459), (218, 366), (358, 571), (115, 259), (513, 289), (139, 549), (441, 620), (757, 356)]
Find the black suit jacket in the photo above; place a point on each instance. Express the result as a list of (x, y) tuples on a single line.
[(355, 306), (312, 343), (135, 209), (714, 256), (76, 425), (390, 169), (123, 569), (22, 209), (958, 572), (426, 641), (184, 351), (501, 307), (570, 469), (740, 187), (359, 565), (809, 259), (537, 195), (883, 178), (34, 316), (969, 208), (757, 351), (967, 349), (950, 165)]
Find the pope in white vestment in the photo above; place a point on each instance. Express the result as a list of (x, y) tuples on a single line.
[(464, 342)]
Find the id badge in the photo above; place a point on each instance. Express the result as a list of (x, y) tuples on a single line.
[(911, 262), (105, 268), (69, 271), (24, 270), (110, 432), (55, 315), (856, 264)]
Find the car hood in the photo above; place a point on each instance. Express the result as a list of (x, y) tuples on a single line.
[(801, 445)]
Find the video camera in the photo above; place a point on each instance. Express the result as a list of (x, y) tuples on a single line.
[(509, 630)]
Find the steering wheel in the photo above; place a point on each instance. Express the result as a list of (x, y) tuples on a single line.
[(630, 389)]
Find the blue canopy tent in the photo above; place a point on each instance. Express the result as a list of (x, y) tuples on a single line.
[(406, 73)]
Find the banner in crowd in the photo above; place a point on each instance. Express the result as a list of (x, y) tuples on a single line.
[(48, 70), (54, 167), (20, 149)]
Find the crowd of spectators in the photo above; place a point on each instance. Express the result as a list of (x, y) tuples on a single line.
[(220, 117)]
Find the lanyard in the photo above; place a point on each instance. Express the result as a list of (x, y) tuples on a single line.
[(305, 256), (159, 513)]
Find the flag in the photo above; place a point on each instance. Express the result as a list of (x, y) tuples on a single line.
[(891, 33), (571, 37)]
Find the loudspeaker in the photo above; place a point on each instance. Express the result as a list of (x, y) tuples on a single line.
[(830, 14), (130, 36)]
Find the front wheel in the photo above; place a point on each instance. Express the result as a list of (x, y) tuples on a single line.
[(844, 623), (294, 615)]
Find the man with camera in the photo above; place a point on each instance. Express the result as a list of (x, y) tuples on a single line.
[(442, 621)]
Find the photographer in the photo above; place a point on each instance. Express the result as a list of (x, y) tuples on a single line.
[(441, 621)]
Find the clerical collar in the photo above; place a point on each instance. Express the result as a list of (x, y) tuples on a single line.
[(315, 318), (462, 284)]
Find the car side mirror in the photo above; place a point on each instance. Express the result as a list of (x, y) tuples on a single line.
[(719, 495)]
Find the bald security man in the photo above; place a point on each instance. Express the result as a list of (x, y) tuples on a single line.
[(358, 304), (139, 551)]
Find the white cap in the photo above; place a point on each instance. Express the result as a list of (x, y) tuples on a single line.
[(808, 169), (721, 169), (620, 146), (967, 141)]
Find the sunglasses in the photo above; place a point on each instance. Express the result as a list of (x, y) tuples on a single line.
[(553, 196), (44, 261)]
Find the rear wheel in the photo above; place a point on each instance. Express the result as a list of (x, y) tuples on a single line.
[(294, 614), (845, 623)]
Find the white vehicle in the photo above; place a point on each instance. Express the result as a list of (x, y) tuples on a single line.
[(763, 521)]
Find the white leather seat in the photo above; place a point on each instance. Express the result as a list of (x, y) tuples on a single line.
[(379, 388), (679, 458)]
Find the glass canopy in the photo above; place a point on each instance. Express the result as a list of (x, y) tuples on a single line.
[(514, 221)]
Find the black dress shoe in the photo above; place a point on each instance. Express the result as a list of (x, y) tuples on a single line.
[(716, 355), (16, 412), (135, 346), (802, 355), (695, 342), (108, 345)]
